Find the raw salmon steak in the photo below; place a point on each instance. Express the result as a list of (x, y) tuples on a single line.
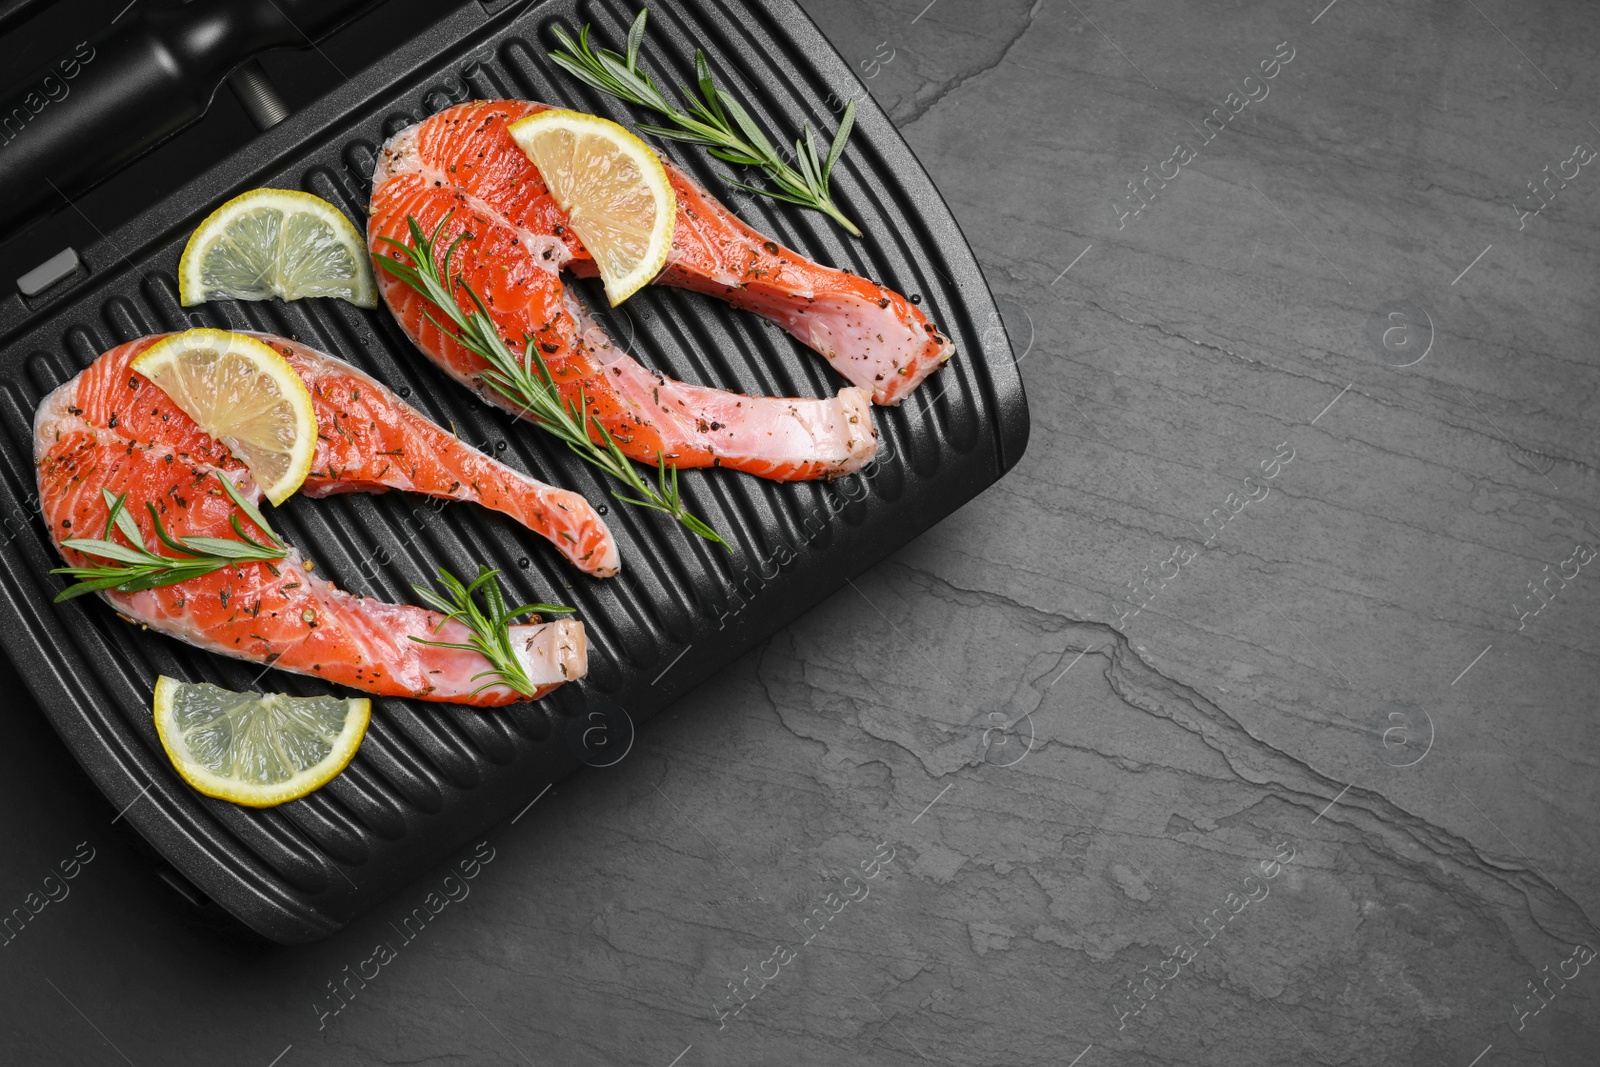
[(110, 428), (462, 167)]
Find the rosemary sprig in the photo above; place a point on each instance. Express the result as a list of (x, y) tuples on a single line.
[(137, 567), (490, 626), (707, 121), (527, 381)]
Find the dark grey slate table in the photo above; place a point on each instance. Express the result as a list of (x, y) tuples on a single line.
[(1249, 721)]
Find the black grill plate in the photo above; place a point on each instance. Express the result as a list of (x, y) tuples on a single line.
[(428, 777)]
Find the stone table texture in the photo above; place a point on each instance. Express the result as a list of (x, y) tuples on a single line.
[(1248, 721)]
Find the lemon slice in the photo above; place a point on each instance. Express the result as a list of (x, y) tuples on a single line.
[(612, 187), (244, 394), (276, 242), (256, 749)]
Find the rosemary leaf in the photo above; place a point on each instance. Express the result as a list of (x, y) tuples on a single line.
[(527, 382), (136, 567), (90, 546), (840, 136), (490, 629), (706, 122), (119, 517)]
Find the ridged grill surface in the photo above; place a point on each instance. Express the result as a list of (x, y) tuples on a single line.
[(430, 776)]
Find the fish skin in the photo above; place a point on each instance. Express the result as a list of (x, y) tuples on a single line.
[(462, 168), (110, 428)]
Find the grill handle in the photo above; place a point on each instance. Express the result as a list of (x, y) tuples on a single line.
[(86, 115)]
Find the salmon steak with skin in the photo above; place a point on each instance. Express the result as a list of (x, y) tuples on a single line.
[(461, 167), (110, 428)]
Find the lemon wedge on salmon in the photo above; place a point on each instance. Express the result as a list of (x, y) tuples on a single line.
[(276, 242), (613, 188), (256, 749), (246, 395)]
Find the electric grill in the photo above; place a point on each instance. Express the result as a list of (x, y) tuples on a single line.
[(430, 777)]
